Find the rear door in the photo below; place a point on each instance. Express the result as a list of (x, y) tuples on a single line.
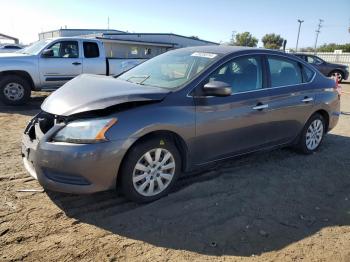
[(94, 61), (64, 65), (290, 98)]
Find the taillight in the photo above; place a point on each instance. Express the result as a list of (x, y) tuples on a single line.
[(337, 87)]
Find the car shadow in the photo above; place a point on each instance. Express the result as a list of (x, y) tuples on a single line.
[(28, 109), (250, 205)]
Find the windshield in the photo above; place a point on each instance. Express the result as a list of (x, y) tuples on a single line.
[(170, 70), (34, 48)]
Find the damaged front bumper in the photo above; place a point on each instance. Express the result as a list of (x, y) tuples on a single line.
[(68, 167)]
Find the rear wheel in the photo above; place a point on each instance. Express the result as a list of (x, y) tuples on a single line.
[(337, 75), (14, 90), (312, 134), (150, 170)]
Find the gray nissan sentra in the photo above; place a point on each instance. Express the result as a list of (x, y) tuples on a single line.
[(174, 113)]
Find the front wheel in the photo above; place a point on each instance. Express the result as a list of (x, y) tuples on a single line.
[(150, 170), (312, 134)]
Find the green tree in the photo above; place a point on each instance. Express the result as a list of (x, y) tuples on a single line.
[(306, 49), (272, 41), (332, 46), (245, 39)]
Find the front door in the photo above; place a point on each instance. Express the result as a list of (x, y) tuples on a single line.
[(234, 124), (64, 64)]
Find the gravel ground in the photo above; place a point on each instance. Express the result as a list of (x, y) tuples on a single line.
[(275, 206)]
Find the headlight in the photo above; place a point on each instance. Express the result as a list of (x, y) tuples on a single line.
[(85, 131)]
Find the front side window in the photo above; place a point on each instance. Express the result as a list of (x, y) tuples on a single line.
[(65, 49), (242, 74), (284, 72), (170, 70), (314, 60)]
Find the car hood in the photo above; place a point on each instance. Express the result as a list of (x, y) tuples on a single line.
[(92, 92), (13, 55), (337, 65)]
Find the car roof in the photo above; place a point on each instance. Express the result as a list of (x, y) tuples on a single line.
[(304, 54), (226, 49)]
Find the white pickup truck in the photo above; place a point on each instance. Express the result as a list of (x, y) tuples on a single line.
[(48, 64)]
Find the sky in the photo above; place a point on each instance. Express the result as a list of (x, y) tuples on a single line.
[(207, 19)]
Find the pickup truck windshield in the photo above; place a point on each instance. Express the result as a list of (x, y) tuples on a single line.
[(34, 48), (170, 70)]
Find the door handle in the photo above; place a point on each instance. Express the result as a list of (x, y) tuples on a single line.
[(76, 63), (260, 106), (307, 99)]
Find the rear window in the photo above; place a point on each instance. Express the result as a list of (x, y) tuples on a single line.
[(284, 72), (91, 50)]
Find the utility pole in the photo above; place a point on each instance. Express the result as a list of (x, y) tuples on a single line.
[(233, 37), (317, 33), (296, 46), (108, 22)]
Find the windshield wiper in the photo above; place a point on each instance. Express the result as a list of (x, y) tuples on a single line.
[(145, 77)]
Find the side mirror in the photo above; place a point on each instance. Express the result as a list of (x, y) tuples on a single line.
[(47, 53), (217, 88)]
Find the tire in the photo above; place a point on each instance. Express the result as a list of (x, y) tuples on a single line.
[(337, 73), (14, 90), (138, 171), (314, 130)]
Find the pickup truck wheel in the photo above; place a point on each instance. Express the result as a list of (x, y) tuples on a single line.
[(14, 90)]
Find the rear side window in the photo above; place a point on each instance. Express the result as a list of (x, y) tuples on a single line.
[(307, 74), (284, 72), (12, 47), (91, 50), (242, 74)]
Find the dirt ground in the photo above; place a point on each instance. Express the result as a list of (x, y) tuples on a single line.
[(275, 206)]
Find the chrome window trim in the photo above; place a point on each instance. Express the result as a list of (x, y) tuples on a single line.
[(257, 90)]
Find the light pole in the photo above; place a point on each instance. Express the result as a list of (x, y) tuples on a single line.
[(296, 47)]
